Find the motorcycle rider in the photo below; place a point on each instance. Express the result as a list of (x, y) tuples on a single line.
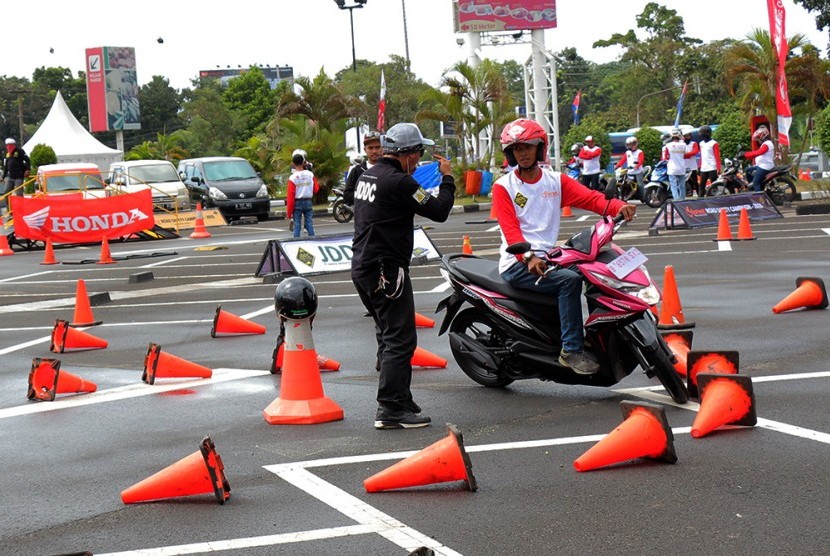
[(633, 161), (710, 165), (764, 157), (590, 156), (373, 150), (528, 203)]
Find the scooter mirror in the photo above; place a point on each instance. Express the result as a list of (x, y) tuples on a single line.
[(611, 189), (518, 248)]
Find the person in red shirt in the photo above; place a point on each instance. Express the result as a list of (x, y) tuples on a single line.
[(528, 203), (302, 186)]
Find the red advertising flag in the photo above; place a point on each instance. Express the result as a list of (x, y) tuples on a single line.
[(778, 35), (82, 221), (382, 103)]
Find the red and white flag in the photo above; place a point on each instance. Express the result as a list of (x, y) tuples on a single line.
[(778, 36), (382, 103)]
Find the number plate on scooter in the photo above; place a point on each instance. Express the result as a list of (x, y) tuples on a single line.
[(627, 263)]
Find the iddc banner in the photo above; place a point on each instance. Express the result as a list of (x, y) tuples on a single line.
[(82, 220)]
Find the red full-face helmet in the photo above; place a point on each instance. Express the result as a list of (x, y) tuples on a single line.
[(524, 131)]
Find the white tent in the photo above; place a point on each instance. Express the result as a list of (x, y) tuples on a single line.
[(70, 140)]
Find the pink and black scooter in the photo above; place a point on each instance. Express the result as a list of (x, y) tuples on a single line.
[(505, 334)]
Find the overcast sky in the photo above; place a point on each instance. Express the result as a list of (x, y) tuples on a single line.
[(310, 34)]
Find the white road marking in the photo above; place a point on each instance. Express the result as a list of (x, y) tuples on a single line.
[(440, 288), (15, 278), (724, 246), (495, 228), (826, 230), (151, 265), (129, 391)]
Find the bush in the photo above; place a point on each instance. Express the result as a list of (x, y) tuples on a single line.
[(42, 154), (732, 135), (577, 134)]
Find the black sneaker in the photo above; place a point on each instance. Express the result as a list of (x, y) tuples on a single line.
[(578, 362), (402, 420), (412, 406)]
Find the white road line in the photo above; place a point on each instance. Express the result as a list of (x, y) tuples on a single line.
[(826, 230), (151, 265), (24, 345), (129, 391), (724, 246), (250, 542), (14, 278), (440, 288), (358, 510), (495, 228)]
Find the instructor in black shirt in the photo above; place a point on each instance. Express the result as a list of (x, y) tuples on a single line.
[(386, 200)]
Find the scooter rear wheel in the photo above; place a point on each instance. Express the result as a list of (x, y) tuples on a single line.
[(478, 328)]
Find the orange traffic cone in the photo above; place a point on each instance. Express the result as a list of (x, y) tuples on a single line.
[(680, 342), (83, 312), (744, 229), (566, 212), (441, 462), (671, 312), (422, 321), (724, 231), (644, 433), (46, 379), (65, 338), (724, 400), (466, 247), (106, 258), (199, 230), (228, 324), (301, 400), (49, 254), (423, 358), (279, 353), (809, 294), (804, 175), (327, 363), (158, 364), (5, 250), (713, 362), (201, 472)]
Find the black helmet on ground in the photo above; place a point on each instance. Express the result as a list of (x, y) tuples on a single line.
[(295, 299)]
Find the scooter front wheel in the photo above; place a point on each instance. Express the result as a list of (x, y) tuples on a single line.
[(655, 196), (475, 328), (667, 375), (341, 212)]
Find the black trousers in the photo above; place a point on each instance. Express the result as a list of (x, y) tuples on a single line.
[(396, 338)]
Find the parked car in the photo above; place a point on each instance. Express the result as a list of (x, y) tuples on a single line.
[(70, 178), (813, 161), (159, 176), (227, 183)]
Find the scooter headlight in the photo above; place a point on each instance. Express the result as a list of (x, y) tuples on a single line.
[(646, 294)]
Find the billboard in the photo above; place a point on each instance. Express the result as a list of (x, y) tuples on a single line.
[(112, 88), (272, 75), (493, 15)]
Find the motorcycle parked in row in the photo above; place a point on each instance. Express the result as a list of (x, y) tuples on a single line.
[(340, 209), (507, 334), (658, 190), (779, 183)]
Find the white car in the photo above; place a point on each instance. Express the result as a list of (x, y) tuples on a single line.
[(160, 176)]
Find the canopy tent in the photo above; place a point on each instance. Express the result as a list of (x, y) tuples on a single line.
[(70, 141)]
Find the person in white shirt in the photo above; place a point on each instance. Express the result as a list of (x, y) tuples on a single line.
[(710, 165), (764, 157), (675, 153), (590, 155)]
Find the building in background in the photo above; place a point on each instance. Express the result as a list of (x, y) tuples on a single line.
[(273, 75)]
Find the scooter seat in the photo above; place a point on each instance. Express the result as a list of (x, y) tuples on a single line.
[(485, 273)]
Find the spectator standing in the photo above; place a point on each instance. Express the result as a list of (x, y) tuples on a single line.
[(386, 200), (16, 167), (374, 152), (590, 156), (692, 152), (710, 164), (302, 186), (674, 152)]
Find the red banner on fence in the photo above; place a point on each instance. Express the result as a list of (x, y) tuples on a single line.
[(82, 221)]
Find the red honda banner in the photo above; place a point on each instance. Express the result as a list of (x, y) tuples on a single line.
[(82, 221), (778, 35)]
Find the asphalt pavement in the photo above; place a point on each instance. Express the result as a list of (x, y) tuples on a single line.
[(298, 489)]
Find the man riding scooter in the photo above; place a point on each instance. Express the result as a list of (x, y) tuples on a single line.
[(528, 203)]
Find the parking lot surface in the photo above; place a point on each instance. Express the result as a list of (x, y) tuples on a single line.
[(298, 489)]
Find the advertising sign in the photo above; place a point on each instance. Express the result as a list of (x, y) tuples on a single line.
[(494, 15), (82, 221), (112, 88), (697, 213)]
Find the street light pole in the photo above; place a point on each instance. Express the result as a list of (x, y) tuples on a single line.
[(342, 5), (652, 94)]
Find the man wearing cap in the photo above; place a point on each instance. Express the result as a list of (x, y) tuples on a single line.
[(386, 200), (373, 150), (16, 166), (590, 156), (302, 186)]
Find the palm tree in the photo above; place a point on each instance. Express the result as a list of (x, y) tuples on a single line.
[(320, 100), (811, 83), (752, 73)]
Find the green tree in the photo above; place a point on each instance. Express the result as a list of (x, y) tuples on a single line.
[(42, 154), (320, 100), (650, 142), (576, 134), (732, 134), (210, 126), (823, 129), (160, 105), (251, 98)]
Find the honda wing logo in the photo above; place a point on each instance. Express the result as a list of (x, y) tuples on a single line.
[(37, 218)]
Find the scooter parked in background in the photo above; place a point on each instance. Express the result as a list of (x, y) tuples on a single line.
[(779, 183), (342, 211), (658, 190)]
